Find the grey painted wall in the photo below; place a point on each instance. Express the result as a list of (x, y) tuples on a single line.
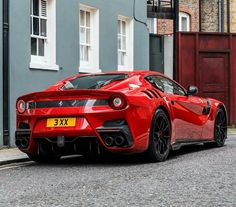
[(24, 80), (109, 11), (168, 55), (1, 41)]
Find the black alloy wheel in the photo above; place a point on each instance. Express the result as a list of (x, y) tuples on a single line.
[(159, 140), (220, 129)]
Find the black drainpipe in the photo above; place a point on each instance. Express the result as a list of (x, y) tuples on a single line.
[(228, 16), (6, 117), (222, 16), (176, 29)]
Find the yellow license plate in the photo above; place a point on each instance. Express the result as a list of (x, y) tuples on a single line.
[(61, 122)]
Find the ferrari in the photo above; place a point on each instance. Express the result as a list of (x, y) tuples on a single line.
[(116, 112)]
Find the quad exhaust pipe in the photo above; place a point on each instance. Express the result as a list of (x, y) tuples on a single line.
[(114, 141), (109, 141), (22, 143), (119, 140)]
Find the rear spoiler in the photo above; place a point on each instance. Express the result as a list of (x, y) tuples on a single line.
[(67, 94)]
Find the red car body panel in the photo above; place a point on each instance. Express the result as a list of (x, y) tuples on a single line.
[(185, 113)]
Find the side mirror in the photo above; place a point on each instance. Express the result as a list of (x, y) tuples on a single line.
[(192, 90)]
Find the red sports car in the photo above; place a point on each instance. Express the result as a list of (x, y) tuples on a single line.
[(117, 112)]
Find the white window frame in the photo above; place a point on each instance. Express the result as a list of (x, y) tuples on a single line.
[(92, 65), (129, 59), (48, 61), (187, 16)]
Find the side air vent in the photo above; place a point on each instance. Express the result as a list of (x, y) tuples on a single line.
[(148, 94), (152, 93)]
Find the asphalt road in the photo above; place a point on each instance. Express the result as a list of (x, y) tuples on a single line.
[(193, 176)]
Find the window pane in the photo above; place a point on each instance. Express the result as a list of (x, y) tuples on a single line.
[(86, 53), (36, 7), (82, 35), (119, 42), (84, 50), (33, 46), (31, 22), (178, 90), (184, 24), (87, 19), (88, 36), (41, 47), (44, 8), (119, 27), (95, 81), (36, 26), (123, 28), (168, 87), (121, 58), (82, 18), (123, 43), (43, 27), (81, 52)]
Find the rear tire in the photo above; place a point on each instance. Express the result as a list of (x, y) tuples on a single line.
[(220, 128), (159, 140)]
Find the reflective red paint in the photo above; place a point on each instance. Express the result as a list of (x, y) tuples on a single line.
[(96, 118)]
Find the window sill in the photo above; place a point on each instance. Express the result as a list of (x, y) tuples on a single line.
[(44, 66), (86, 69)]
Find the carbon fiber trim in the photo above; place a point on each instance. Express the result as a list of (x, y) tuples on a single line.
[(67, 103)]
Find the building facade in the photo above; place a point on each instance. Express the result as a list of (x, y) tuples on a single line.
[(202, 16), (53, 39), (218, 16), (188, 18), (210, 16), (233, 16)]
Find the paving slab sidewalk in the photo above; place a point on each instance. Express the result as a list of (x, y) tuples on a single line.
[(13, 155)]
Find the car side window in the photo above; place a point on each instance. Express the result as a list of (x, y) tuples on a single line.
[(168, 86)]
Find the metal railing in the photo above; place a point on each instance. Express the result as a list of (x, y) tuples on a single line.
[(161, 3)]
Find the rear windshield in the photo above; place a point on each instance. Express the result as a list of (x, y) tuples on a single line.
[(93, 81)]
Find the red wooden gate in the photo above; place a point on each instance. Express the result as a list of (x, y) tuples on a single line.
[(208, 60)]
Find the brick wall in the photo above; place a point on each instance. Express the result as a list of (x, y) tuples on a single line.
[(191, 7), (164, 26), (233, 15), (209, 15)]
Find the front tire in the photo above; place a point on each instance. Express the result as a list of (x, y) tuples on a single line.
[(220, 128), (159, 139)]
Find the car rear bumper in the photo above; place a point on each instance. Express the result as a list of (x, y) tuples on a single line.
[(100, 125)]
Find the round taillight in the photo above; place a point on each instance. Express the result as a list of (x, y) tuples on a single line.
[(21, 106), (117, 102)]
